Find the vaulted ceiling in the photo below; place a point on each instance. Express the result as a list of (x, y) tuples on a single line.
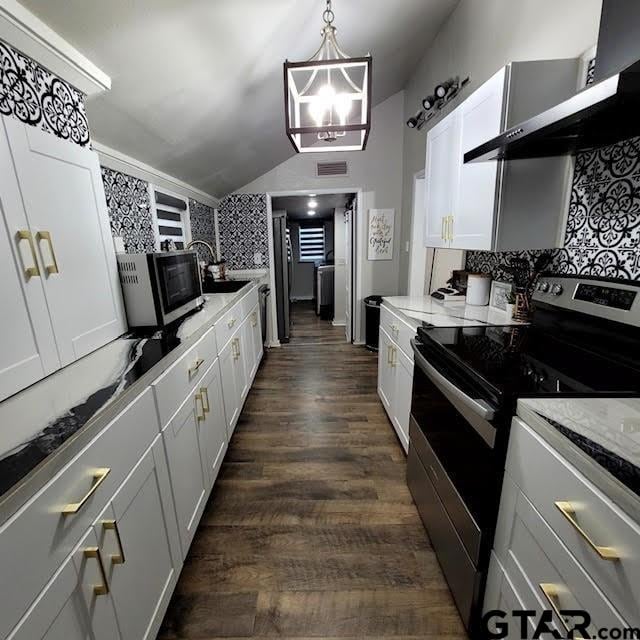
[(197, 84)]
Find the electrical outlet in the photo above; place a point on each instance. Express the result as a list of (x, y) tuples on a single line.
[(257, 258)]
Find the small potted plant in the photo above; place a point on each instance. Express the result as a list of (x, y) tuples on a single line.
[(510, 304)]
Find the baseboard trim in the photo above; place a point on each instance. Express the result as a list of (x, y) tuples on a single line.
[(339, 323)]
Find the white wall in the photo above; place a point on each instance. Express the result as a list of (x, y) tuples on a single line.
[(480, 37), (340, 254), (377, 171)]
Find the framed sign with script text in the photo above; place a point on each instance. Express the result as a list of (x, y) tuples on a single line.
[(380, 235)]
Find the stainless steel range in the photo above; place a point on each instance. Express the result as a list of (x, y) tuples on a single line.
[(584, 340)]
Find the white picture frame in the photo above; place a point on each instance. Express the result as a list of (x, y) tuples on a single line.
[(380, 232), (499, 293)]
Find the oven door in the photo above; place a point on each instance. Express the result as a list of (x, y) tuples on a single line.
[(454, 434), (178, 283)]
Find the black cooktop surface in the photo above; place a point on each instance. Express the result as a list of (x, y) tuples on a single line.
[(511, 362)]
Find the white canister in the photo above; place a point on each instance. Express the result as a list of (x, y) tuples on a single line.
[(478, 289)]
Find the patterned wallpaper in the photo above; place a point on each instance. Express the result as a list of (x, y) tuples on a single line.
[(203, 226), (33, 95), (129, 210), (603, 226), (243, 229)]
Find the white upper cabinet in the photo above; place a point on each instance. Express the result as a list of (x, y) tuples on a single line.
[(63, 196), (441, 172), (496, 205), (28, 344)]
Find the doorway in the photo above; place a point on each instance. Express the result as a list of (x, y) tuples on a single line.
[(313, 275)]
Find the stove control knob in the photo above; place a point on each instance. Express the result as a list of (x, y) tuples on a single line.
[(544, 287), (557, 289)]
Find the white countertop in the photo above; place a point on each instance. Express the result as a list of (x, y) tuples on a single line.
[(448, 314), (599, 436)]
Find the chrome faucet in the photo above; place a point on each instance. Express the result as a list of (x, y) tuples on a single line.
[(206, 244)]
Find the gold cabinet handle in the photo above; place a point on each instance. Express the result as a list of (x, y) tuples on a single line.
[(200, 418), (552, 592), (254, 319), (194, 369), (569, 512), (46, 235), (112, 525), (450, 228), (442, 230), (205, 396), (98, 478), (236, 348), (388, 354), (98, 589), (29, 272), (393, 357), (231, 322)]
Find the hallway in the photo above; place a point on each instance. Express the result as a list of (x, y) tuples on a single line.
[(311, 530)]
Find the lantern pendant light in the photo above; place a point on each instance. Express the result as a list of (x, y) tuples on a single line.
[(328, 97)]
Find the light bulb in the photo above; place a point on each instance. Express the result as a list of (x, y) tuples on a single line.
[(311, 212), (312, 204), (343, 106), (316, 110)]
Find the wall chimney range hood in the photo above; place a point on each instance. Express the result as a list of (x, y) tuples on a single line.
[(606, 112)]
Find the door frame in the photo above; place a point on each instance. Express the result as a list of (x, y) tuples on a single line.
[(355, 259)]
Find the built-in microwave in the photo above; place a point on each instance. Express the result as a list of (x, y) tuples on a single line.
[(159, 288)]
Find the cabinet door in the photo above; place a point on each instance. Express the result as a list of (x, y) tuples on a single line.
[(475, 204), (59, 612), (189, 480), (64, 200), (230, 391), (213, 430), (441, 179), (243, 350), (138, 539), (385, 371), (27, 346), (248, 353), (254, 320), (91, 567), (403, 383)]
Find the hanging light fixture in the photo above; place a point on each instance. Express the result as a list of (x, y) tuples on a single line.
[(328, 97)]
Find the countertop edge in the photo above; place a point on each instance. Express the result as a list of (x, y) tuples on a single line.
[(12, 501), (620, 495)]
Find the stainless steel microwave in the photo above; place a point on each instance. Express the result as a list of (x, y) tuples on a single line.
[(159, 288)]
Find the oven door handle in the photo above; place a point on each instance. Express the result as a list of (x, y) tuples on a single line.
[(480, 407)]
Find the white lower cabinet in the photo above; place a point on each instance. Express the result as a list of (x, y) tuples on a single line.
[(395, 381), (185, 447), (231, 392), (138, 542)]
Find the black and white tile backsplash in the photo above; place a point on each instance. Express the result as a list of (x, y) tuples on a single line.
[(603, 225), (129, 210), (35, 96), (243, 228)]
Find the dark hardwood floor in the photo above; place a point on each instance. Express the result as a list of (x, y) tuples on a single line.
[(311, 531)]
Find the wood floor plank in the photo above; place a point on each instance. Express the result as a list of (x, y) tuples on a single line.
[(310, 531)]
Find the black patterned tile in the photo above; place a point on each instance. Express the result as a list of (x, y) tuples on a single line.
[(33, 95), (129, 210), (243, 229), (203, 226)]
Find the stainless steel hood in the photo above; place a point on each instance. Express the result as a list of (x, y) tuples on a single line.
[(605, 112)]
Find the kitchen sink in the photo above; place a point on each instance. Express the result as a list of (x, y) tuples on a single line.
[(223, 286)]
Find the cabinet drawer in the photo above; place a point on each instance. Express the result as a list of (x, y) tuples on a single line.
[(399, 331), (226, 326), (536, 560), (173, 386), (546, 478), (34, 543)]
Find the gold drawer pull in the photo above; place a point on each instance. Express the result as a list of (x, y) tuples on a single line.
[(46, 235), (551, 592), (205, 396), (442, 230), (112, 525), (231, 322), (569, 512), (29, 272), (394, 361), (98, 478), (98, 589), (200, 418), (193, 370)]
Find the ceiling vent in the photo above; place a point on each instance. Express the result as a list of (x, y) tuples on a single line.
[(331, 169)]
